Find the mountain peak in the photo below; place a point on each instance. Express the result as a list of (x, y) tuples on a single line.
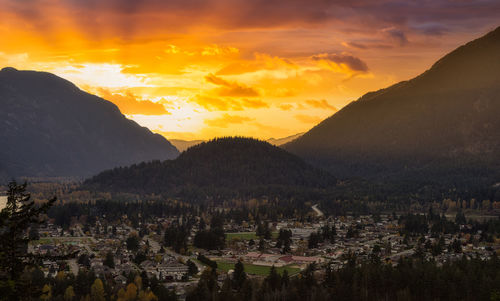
[(44, 111), (9, 69), (448, 114)]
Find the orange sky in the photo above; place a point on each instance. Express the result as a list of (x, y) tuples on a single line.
[(193, 69)]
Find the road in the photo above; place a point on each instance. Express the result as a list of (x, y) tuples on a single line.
[(154, 244), (318, 212)]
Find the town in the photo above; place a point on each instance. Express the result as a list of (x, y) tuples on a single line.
[(174, 251)]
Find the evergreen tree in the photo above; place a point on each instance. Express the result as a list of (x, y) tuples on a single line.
[(109, 260), (192, 268), (239, 275), (19, 213)]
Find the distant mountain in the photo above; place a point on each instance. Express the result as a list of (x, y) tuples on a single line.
[(443, 125), (220, 167), (182, 145), (281, 141), (49, 128)]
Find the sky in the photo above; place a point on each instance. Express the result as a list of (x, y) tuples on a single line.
[(193, 69)]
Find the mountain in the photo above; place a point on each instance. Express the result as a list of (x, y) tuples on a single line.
[(284, 140), (220, 167), (443, 125), (182, 145), (49, 128)]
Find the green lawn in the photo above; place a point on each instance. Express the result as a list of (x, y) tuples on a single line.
[(241, 236), (246, 235), (257, 269), (43, 241)]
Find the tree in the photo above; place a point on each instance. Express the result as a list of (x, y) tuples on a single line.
[(97, 291), (109, 260), (133, 243), (46, 292), (15, 219), (69, 293), (273, 279), (285, 279), (239, 275), (131, 292), (192, 268), (262, 245)]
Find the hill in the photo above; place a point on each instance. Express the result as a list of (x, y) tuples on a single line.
[(50, 128), (182, 145), (442, 127), (223, 167)]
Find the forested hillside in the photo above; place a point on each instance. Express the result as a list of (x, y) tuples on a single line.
[(224, 167)]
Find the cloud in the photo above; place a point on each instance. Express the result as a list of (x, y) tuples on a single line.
[(307, 118), (130, 104), (228, 104), (320, 104), (366, 45), (396, 34), (343, 60), (232, 89), (226, 120), (431, 29), (216, 103), (215, 50), (126, 19), (254, 103), (286, 107)]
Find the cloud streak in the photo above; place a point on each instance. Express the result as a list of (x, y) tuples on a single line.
[(232, 89), (226, 120), (342, 61), (130, 104)]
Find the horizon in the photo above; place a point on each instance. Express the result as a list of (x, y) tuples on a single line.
[(248, 69)]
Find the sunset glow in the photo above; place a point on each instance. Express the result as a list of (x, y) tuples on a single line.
[(198, 69)]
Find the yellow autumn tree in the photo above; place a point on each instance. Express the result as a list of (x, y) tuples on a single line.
[(131, 292), (46, 292), (69, 294), (97, 291)]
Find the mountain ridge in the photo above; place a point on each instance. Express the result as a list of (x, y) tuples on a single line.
[(446, 116), (75, 133)]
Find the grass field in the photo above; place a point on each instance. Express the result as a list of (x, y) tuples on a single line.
[(246, 235), (241, 236), (257, 269)]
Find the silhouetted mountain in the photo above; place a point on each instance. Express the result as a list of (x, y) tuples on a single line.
[(443, 125), (49, 127), (220, 167)]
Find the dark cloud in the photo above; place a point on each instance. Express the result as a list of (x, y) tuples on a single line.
[(396, 34), (364, 45), (130, 17), (352, 62), (431, 29)]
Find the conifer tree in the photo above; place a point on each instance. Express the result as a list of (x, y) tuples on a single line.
[(15, 219)]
